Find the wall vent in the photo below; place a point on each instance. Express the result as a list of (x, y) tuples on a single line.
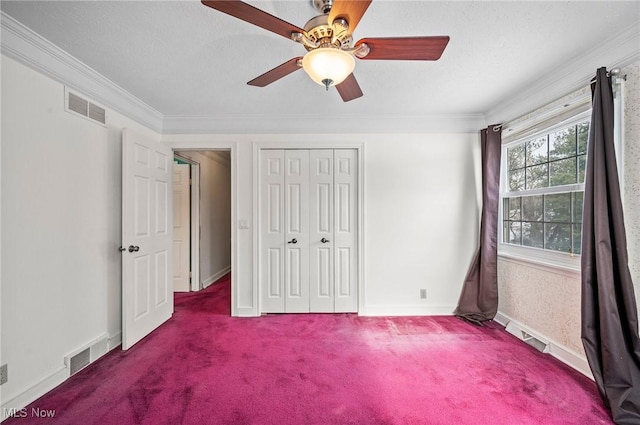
[(81, 357), (79, 361), (534, 341), (76, 104)]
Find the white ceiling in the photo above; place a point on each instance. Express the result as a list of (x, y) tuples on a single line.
[(187, 60)]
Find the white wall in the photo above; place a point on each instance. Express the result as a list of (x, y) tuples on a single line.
[(215, 213), (421, 220), (547, 301), (61, 229), (420, 228)]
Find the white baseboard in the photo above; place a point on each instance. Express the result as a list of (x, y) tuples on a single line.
[(17, 403), (559, 351), (245, 312), (33, 393), (407, 310), (208, 281), (114, 341), (502, 319)]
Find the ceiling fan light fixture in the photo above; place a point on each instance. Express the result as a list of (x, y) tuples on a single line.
[(328, 66)]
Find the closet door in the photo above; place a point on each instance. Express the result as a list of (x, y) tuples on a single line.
[(272, 252), (308, 239), (345, 233), (321, 240), (296, 231)]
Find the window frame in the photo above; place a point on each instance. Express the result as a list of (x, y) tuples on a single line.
[(538, 256)]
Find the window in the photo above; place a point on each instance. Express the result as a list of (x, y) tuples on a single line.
[(543, 187)]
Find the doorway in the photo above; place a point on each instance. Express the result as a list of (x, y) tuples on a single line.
[(204, 216)]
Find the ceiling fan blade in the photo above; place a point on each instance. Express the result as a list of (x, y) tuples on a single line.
[(405, 48), (349, 89), (276, 73), (254, 16), (350, 10)]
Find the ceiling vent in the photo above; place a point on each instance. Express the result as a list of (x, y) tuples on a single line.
[(80, 106)]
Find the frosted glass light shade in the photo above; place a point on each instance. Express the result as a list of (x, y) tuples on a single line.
[(328, 63)]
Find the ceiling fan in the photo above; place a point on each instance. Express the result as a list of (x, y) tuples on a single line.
[(329, 60)]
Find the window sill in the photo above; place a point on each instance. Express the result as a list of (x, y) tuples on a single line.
[(554, 262)]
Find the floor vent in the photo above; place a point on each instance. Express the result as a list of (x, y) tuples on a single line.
[(534, 341), (78, 105), (80, 358)]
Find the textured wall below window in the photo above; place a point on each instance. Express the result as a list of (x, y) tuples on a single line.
[(544, 301), (632, 170)]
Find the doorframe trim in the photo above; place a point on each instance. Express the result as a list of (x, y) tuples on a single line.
[(257, 147)]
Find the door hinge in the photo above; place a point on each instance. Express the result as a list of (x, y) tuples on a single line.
[(190, 275)]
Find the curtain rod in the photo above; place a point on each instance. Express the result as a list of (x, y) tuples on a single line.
[(614, 72)]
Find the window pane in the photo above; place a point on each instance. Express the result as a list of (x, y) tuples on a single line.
[(577, 206), (532, 208), (562, 172), (537, 176), (512, 232), (537, 151), (582, 165), (557, 207), (577, 238), (544, 165), (512, 208), (557, 237), (533, 234), (583, 137), (515, 157), (562, 143), (516, 180)]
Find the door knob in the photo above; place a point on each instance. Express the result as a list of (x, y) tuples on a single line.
[(323, 240), (294, 240), (122, 249), (134, 248)]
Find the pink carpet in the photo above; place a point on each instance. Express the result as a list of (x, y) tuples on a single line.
[(205, 367)]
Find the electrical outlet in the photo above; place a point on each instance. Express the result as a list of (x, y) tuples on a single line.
[(423, 294), (4, 374)]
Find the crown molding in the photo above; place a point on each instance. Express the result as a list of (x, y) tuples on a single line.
[(306, 124), (31, 49), (619, 50)]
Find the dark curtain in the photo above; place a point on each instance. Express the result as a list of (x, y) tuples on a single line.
[(479, 297), (609, 311)]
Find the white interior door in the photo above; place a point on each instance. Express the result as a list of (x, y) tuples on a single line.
[(272, 251), (345, 233), (147, 284), (181, 227), (321, 277), (296, 220), (308, 236)]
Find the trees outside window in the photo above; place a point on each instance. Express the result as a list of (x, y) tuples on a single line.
[(542, 203)]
